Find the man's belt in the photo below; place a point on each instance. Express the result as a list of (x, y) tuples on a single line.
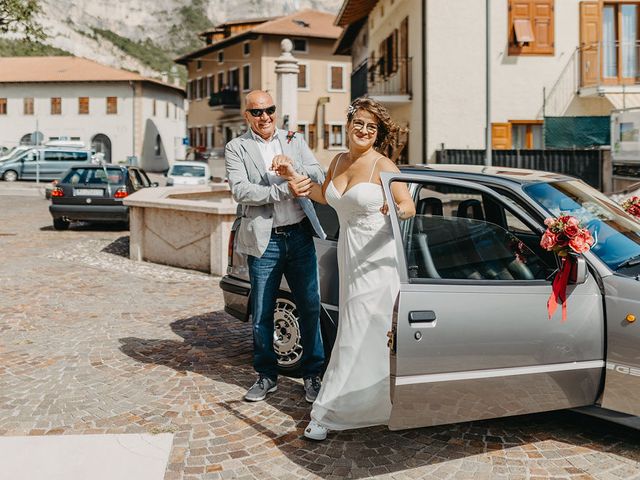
[(288, 228)]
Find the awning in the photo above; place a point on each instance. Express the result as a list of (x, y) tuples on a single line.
[(623, 100)]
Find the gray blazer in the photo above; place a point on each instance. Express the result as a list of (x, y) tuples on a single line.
[(251, 189)]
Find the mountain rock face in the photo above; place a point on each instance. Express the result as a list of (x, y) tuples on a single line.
[(145, 35)]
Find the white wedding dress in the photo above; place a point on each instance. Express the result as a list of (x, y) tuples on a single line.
[(355, 387)]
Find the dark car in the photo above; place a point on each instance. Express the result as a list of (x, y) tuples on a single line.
[(94, 193)]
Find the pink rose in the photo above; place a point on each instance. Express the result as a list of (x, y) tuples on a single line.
[(588, 238), (579, 244), (549, 221), (548, 240), (572, 221)]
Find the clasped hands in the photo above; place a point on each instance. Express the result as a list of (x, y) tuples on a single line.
[(300, 185)]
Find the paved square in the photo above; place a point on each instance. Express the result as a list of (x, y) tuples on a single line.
[(93, 343)]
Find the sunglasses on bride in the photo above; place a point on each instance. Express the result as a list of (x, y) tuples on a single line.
[(257, 112)]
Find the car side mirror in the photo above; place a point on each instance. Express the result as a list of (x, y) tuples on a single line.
[(165, 173), (579, 270)]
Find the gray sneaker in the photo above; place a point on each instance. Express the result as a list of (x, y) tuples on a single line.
[(311, 388), (259, 390)]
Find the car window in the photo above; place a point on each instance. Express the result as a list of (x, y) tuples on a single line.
[(460, 234), (145, 179), (329, 220), (113, 176), (134, 175), (187, 171)]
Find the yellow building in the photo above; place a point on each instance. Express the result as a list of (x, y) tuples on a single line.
[(384, 39), (240, 56)]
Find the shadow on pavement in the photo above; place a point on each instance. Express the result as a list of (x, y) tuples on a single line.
[(220, 348), (92, 227)]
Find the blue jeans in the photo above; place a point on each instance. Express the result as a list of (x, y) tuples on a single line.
[(293, 255)]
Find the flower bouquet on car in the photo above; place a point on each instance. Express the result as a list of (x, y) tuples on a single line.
[(632, 206), (564, 235)]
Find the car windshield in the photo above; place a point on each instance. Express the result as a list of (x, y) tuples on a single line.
[(95, 176), (616, 233), (187, 171)]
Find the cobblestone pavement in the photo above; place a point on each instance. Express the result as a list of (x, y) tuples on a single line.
[(94, 343)]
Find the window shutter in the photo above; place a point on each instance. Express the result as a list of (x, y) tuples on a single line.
[(326, 136), (312, 136), (518, 10), (336, 78), (501, 136), (302, 75), (589, 35), (394, 51), (543, 26)]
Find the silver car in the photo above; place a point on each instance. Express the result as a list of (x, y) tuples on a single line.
[(470, 336)]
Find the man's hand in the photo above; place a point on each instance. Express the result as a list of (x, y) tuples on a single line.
[(283, 166), (300, 186)]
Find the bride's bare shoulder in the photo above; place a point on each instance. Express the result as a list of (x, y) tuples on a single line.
[(385, 164)]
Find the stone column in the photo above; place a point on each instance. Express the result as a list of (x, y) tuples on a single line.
[(287, 86)]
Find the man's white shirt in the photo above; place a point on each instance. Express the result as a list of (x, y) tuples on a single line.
[(286, 212)]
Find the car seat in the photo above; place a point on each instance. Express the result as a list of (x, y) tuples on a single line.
[(470, 208)]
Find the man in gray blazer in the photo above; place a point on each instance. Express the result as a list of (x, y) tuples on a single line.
[(276, 224)]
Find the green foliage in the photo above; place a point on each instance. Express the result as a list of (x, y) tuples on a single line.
[(194, 20), (146, 51), (24, 48), (18, 16)]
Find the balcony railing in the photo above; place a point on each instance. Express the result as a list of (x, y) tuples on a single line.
[(609, 63), (389, 76), (225, 98)]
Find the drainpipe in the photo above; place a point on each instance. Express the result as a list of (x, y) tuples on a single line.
[(133, 118), (488, 149), (424, 81)]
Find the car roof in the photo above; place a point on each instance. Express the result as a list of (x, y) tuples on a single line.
[(190, 164), (505, 175), (106, 165)]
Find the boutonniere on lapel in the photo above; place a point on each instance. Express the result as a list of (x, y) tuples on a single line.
[(290, 136)]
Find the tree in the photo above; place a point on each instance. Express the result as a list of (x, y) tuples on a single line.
[(19, 16)]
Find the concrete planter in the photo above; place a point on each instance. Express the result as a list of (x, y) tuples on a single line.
[(182, 227)]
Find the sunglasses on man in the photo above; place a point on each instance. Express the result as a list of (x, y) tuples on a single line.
[(257, 112)]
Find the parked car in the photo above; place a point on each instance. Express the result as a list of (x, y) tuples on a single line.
[(45, 163), (94, 193), (14, 152), (188, 173), (470, 336)]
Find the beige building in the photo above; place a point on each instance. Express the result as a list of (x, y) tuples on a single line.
[(240, 57), (118, 113), (384, 39)]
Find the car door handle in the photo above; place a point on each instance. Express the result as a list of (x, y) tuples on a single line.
[(422, 316)]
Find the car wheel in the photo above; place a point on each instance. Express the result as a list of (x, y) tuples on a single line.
[(286, 337), (60, 224), (10, 176)]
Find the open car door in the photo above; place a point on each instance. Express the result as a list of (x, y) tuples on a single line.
[(470, 337)]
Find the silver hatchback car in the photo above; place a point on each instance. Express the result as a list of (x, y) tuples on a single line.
[(470, 336)]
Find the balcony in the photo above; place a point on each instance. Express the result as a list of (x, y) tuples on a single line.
[(609, 68), (389, 79), (225, 99)]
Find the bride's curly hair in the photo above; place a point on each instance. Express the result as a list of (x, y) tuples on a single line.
[(388, 130)]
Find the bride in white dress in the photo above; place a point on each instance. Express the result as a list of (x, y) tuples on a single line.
[(355, 388)]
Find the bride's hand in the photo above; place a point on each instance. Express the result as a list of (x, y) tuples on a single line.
[(283, 167), (384, 209)]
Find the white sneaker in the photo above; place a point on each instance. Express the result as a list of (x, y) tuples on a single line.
[(315, 431)]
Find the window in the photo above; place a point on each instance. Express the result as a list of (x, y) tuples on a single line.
[(335, 138), (336, 78), (246, 78), (220, 81), (189, 91), (300, 45), (83, 105), (246, 49), (221, 56), (461, 234), (517, 134), (157, 149), (112, 105), (154, 107), (28, 106), (197, 89), (198, 64), (203, 87), (303, 128), (388, 52), (303, 76), (210, 85), (234, 79), (56, 106), (531, 27), (167, 110), (620, 37)]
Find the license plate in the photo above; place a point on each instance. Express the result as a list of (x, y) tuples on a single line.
[(88, 192)]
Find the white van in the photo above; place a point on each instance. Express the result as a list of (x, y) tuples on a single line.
[(45, 163)]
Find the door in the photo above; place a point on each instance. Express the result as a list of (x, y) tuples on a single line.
[(470, 337), (622, 378)]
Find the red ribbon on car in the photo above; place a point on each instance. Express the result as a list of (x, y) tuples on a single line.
[(559, 289)]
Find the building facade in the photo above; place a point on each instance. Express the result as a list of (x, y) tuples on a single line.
[(549, 59), (241, 56), (118, 113)]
